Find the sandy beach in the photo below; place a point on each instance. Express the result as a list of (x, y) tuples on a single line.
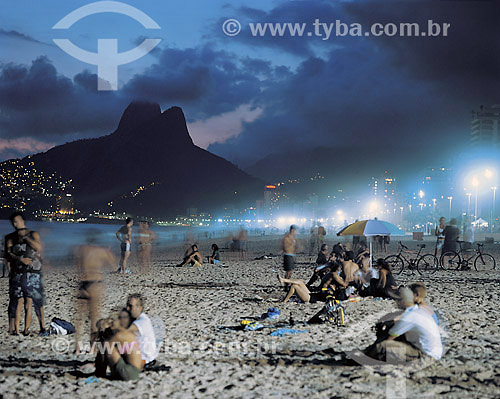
[(202, 357)]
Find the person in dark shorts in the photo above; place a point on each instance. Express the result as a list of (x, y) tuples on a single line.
[(23, 249), (124, 235), (289, 247)]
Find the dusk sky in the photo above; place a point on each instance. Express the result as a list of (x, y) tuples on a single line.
[(246, 97)]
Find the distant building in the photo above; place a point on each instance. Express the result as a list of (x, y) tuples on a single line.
[(65, 204), (192, 213), (384, 186), (373, 186), (485, 127), (437, 183), (271, 198)]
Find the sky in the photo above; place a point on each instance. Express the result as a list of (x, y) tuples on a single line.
[(247, 97)]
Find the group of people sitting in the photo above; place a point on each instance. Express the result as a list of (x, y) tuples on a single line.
[(412, 334), (343, 272), (127, 342), (193, 257)]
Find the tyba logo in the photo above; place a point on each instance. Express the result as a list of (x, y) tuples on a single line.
[(107, 57)]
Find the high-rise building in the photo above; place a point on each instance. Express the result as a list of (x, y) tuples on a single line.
[(271, 198), (65, 205), (485, 127)]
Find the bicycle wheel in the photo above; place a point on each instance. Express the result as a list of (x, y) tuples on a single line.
[(484, 262), (427, 264), (451, 261), (396, 263)]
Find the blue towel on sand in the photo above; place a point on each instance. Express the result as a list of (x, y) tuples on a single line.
[(280, 332), (272, 313)]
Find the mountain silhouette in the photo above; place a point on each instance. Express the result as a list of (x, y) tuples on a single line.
[(148, 166)]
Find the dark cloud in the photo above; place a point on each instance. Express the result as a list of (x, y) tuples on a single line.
[(204, 81), (286, 12), (37, 101), (12, 34), (352, 92), (415, 93)]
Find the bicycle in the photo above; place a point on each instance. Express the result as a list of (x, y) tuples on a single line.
[(426, 263), (333, 311), (452, 260)]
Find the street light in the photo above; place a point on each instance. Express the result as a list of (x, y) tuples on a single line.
[(421, 194), (468, 202), (449, 213), (493, 209), (475, 184)]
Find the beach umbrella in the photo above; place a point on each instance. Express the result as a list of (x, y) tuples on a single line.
[(369, 228)]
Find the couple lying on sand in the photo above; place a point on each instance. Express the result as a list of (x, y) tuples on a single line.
[(342, 272), (126, 343)]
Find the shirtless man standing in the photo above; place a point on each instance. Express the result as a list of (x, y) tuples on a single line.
[(124, 235), (91, 259), (289, 247)]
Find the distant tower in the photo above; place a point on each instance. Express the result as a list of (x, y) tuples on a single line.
[(271, 197), (65, 205), (485, 127)]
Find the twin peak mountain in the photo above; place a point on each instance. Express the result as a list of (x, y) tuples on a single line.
[(148, 166)]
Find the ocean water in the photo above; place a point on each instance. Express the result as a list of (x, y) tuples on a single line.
[(60, 239)]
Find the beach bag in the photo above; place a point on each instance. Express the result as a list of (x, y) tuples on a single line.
[(61, 327)]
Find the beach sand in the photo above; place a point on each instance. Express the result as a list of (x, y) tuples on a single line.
[(201, 358)]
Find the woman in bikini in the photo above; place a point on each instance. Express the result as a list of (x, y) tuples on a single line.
[(145, 239), (91, 259)]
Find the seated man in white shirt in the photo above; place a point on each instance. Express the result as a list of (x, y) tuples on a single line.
[(142, 328), (421, 333)]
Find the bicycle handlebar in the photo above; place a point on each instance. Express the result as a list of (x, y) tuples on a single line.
[(402, 245)]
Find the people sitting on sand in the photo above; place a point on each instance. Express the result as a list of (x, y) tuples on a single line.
[(142, 328), (332, 281), (338, 249), (322, 264), (122, 352), (386, 286), (297, 287), (192, 257), (214, 259), (349, 267), (415, 334), (419, 294), (366, 278), (335, 281), (362, 252)]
